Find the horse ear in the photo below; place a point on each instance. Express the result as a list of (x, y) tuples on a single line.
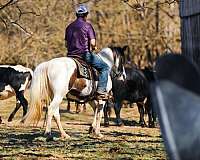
[(127, 54), (125, 47)]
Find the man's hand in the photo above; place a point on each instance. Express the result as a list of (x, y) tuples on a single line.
[(94, 48)]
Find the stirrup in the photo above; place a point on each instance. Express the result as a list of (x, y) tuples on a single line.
[(102, 96)]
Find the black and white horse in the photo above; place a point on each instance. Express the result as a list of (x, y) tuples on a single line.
[(14, 80), (134, 89)]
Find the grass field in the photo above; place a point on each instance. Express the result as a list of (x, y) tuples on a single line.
[(127, 142)]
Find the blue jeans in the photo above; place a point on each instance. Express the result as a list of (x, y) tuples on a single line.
[(95, 61)]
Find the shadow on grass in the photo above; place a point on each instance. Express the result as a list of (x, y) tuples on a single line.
[(125, 122), (27, 138)]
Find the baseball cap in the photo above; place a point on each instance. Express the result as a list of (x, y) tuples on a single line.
[(81, 9)]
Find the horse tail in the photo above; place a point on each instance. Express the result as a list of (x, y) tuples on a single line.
[(40, 94)]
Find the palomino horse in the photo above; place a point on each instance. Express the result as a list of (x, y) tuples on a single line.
[(14, 80), (54, 79)]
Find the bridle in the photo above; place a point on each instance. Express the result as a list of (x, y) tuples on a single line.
[(114, 73)]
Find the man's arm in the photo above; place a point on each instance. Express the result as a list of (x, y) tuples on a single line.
[(92, 38)]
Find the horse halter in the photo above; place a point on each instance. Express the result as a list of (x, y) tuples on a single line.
[(117, 74)]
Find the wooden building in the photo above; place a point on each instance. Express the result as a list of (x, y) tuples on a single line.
[(190, 29)]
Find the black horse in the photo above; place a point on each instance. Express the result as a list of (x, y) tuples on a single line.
[(135, 89)]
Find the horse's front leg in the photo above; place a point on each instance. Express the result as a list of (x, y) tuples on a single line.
[(141, 111), (151, 114), (106, 116), (117, 108), (99, 117), (95, 127)]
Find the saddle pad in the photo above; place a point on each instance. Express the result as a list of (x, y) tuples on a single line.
[(83, 69)]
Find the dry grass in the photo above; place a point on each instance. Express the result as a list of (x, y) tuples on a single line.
[(127, 142)]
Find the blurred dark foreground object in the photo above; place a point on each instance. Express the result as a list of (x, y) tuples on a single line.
[(176, 97), (179, 70)]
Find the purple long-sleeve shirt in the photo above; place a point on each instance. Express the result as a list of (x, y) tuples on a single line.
[(78, 35)]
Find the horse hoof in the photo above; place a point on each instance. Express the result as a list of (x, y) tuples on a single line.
[(96, 136), (151, 125), (65, 136), (9, 119), (143, 125), (91, 130), (99, 135), (120, 124), (49, 137), (106, 124)]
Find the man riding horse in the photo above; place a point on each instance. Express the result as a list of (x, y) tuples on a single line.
[(60, 77), (80, 42)]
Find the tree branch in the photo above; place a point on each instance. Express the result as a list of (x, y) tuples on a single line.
[(8, 3), (138, 7), (4, 22), (21, 28)]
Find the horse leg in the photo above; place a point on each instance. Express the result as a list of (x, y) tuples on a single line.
[(154, 118), (150, 112), (78, 107), (98, 113), (59, 125), (53, 110), (93, 126), (68, 106), (117, 108), (18, 105), (23, 101), (106, 119), (141, 112), (100, 107), (84, 107)]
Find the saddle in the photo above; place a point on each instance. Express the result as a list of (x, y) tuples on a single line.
[(84, 70)]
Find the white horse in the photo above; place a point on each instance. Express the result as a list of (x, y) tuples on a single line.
[(54, 79)]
